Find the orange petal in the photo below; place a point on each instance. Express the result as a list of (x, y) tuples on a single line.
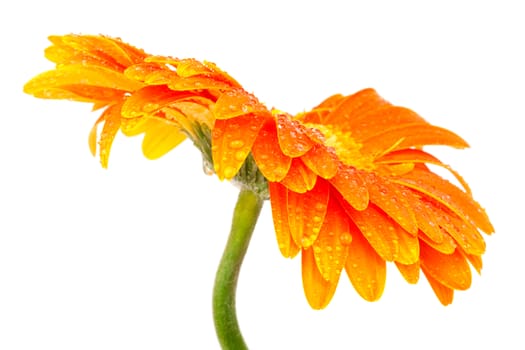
[(292, 136), (381, 120), (331, 246), (86, 93), (321, 161), (353, 106), (444, 294), (378, 229), (350, 185), (446, 246), (466, 235), (150, 100), (44, 84), (232, 140), (318, 114), (299, 178), (409, 272), (235, 103), (111, 126), (449, 195), (278, 200), (113, 52), (365, 268), (475, 261), (426, 220), (272, 163), (306, 213), (92, 139), (318, 291), (408, 246), (141, 71), (411, 135), (451, 270), (418, 156), (393, 199), (196, 83)]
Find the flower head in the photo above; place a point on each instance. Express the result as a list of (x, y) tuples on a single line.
[(349, 183)]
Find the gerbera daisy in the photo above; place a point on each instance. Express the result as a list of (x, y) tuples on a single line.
[(349, 182)]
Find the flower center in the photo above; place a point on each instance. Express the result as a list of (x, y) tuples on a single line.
[(347, 149)]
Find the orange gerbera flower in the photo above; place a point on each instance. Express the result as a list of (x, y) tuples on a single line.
[(348, 181)]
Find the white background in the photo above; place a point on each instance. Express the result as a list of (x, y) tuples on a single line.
[(125, 258)]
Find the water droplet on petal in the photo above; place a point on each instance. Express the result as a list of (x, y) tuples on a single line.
[(236, 144), (229, 172), (240, 155), (345, 239)]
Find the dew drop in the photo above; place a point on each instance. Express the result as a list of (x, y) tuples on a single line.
[(229, 172), (320, 206), (207, 167), (236, 144), (240, 155), (317, 219), (345, 239), (317, 249)]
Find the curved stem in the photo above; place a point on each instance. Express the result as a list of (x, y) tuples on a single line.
[(245, 217)]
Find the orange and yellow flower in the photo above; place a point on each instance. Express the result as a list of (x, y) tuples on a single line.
[(349, 183)]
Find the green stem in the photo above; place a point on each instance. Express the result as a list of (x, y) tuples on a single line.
[(245, 216)]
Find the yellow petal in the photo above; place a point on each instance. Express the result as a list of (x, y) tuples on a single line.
[(160, 138)]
